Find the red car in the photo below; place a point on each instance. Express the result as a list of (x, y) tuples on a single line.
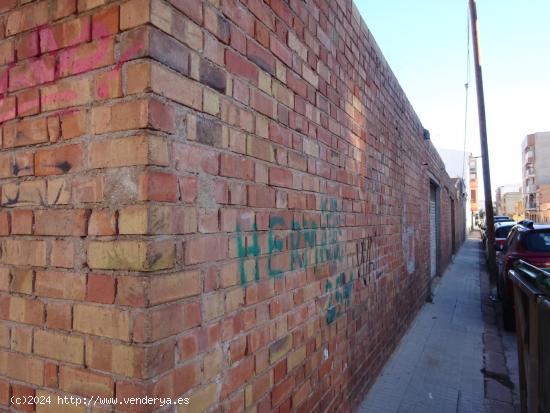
[(529, 242)]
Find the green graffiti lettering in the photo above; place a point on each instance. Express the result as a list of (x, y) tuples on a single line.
[(310, 239), (245, 251), (274, 244), (295, 251)]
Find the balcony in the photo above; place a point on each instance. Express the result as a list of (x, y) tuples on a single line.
[(529, 158), (530, 189)]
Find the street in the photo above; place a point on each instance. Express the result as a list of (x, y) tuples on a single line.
[(455, 357)]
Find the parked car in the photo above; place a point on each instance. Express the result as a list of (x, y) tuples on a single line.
[(502, 229), (496, 219), (529, 242)]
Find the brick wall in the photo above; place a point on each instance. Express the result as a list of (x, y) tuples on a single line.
[(222, 200)]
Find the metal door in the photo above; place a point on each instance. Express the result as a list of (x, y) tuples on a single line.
[(433, 231)]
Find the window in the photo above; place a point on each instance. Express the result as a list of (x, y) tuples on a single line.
[(474, 195), (538, 241)]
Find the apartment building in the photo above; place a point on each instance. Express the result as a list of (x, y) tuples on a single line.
[(507, 198), (536, 176)]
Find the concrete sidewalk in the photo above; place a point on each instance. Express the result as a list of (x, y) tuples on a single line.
[(437, 367)]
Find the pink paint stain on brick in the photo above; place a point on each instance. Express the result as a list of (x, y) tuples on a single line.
[(41, 73)]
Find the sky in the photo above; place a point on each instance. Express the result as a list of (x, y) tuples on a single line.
[(425, 43)]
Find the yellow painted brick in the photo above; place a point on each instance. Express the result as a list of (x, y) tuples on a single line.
[(102, 321), (264, 82), (59, 192), (174, 286), (176, 87), (66, 93), (58, 346), (128, 151), (54, 406), (200, 400), (4, 279), (234, 299), (117, 358), (138, 77), (24, 252), (25, 193), (211, 102), (212, 305), (4, 336), (213, 363), (131, 255), (193, 36), (296, 357), (162, 15), (280, 348), (134, 13), (133, 219)]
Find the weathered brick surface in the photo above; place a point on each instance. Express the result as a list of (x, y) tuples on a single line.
[(225, 200)]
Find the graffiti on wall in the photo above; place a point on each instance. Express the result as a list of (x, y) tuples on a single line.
[(71, 61), (309, 244), (339, 297)]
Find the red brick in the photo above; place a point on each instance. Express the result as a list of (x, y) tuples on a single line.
[(28, 102), (102, 223), (263, 58), (63, 8), (7, 108), (191, 8), (7, 52), (280, 50), (203, 249), (236, 167), (174, 318), (240, 66), (27, 17), (25, 393), (4, 223), (27, 45), (73, 124), (62, 254), (158, 186), (51, 375), (24, 163), (59, 315), (196, 159), (65, 34), (101, 288), (236, 376), (32, 73), (108, 85), (105, 22), (88, 189), (21, 222), (188, 188), (261, 196), (5, 6), (26, 132), (262, 103), (59, 160), (59, 284), (86, 57)]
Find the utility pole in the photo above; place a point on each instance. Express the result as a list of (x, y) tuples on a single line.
[(489, 215)]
